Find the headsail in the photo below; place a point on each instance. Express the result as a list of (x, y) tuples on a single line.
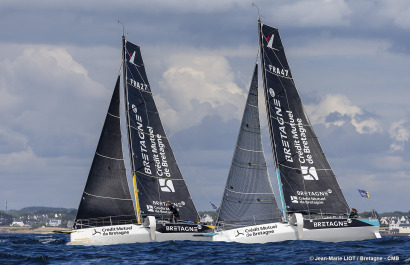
[(309, 184), (106, 199), (248, 197), (153, 163)]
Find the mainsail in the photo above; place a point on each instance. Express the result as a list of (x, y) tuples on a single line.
[(248, 197), (308, 183), (106, 199), (153, 163)]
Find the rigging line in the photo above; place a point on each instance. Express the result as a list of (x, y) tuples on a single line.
[(256, 151), (249, 131), (246, 166), (109, 157), (191, 168), (113, 115), (307, 125), (149, 134), (250, 193), (103, 197), (317, 169), (156, 177)]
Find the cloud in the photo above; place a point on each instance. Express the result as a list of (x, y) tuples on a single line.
[(313, 13), (195, 86), (44, 94), (396, 11), (336, 46), (338, 110), (400, 133)]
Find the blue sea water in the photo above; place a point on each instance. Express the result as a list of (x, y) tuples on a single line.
[(53, 249)]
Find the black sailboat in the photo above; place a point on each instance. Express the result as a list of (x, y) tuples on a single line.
[(313, 205), (106, 214)]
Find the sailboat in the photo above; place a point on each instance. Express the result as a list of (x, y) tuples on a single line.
[(106, 213), (312, 202)]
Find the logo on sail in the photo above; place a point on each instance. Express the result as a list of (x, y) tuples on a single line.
[(132, 59), (294, 199), (270, 42), (150, 208), (166, 185), (271, 92), (309, 173)]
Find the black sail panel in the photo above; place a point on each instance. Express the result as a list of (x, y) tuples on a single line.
[(248, 197), (308, 182), (106, 199), (158, 176)]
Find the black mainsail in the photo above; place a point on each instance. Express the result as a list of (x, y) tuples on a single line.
[(106, 199), (157, 174), (248, 197), (308, 183)]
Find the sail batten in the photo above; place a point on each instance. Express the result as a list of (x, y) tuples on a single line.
[(307, 181), (248, 197)]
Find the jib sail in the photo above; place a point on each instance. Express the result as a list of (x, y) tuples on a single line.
[(248, 197), (106, 199)]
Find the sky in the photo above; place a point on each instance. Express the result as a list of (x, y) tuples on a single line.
[(59, 61)]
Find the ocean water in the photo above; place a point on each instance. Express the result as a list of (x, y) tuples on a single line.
[(53, 249)]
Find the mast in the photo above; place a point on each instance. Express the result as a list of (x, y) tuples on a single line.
[(272, 139), (127, 114)]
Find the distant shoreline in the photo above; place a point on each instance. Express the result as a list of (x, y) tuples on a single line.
[(29, 230)]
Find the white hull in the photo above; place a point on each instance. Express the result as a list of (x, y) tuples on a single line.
[(335, 229), (132, 233), (109, 235), (298, 228), (342, 234), (272, 232)]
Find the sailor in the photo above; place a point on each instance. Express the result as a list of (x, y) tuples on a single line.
[(173, 211), (353, 213)]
